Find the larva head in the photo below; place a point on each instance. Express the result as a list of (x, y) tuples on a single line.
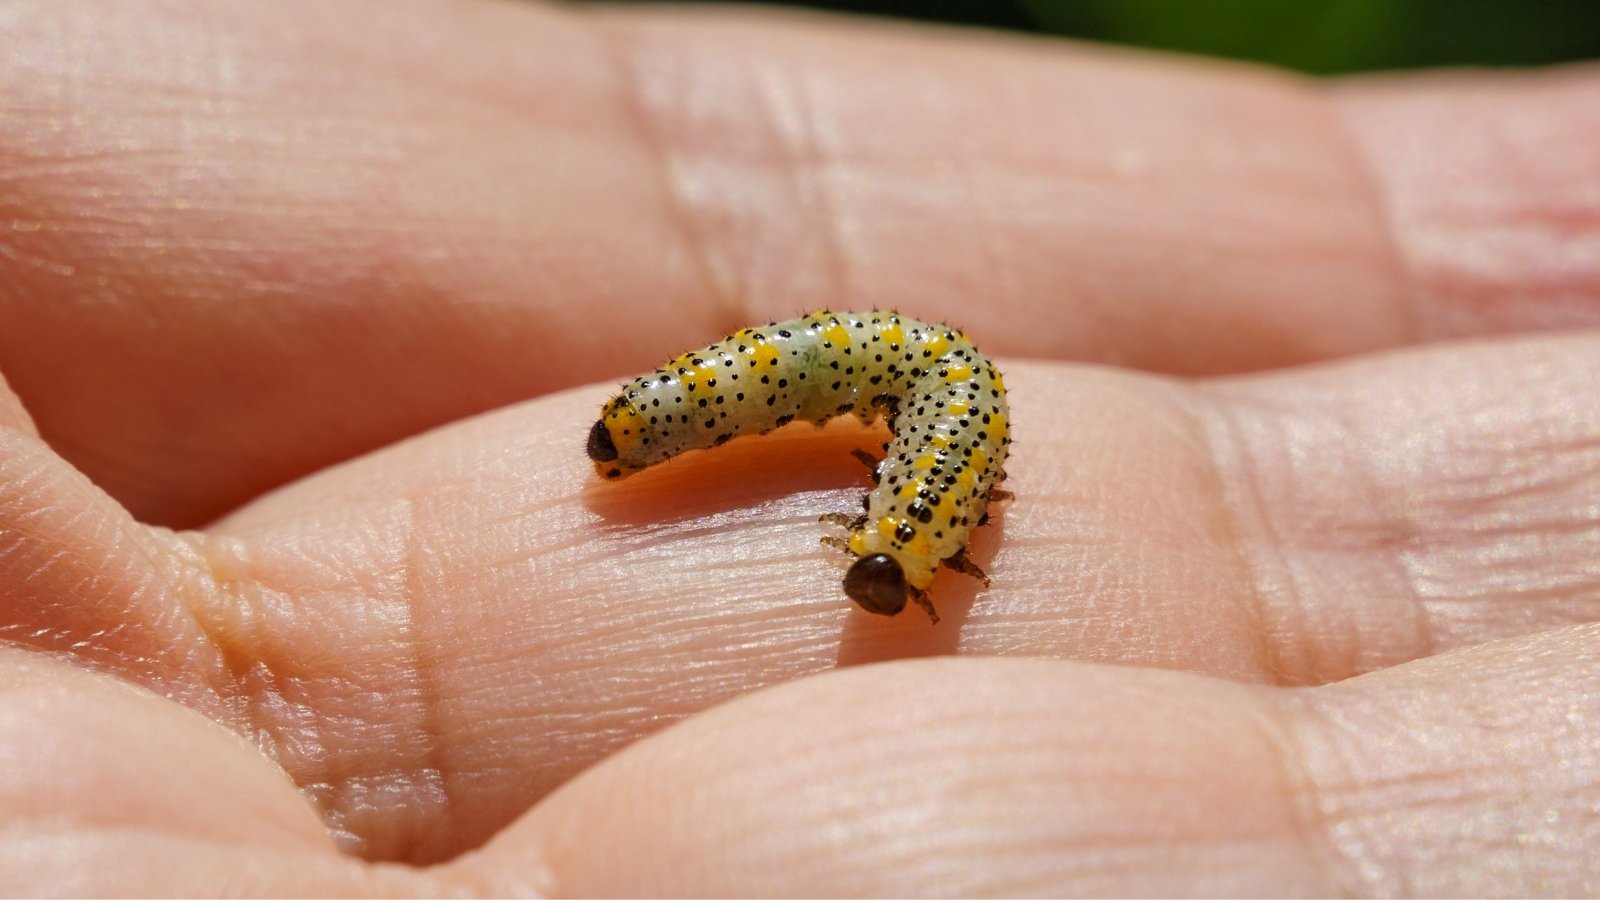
[(877, 584), (602, 449), (614, 440)]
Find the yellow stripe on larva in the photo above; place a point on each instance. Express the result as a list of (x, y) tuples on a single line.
[(945, 403)]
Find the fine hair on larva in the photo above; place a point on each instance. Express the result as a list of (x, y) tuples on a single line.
[(944, 401)]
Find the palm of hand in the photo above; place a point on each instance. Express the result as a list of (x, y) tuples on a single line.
[(460, 638)]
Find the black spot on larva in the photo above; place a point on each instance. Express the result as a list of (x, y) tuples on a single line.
[(783, 420), (877, 584), (601, 448), (722, 439), (904, 532)]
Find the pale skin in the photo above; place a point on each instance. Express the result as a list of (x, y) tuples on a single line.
[(1328, 629)]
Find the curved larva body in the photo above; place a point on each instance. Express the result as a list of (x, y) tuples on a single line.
[(945, 403)]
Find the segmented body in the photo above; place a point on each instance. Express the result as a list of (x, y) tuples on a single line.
[(946, 406)]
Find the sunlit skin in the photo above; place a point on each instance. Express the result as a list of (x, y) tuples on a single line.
[(1299, 588)]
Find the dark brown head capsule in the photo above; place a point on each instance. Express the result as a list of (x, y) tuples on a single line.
[(877, 584), (601, 449)]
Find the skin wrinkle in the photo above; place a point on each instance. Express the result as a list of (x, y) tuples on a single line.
[(1393, 534), (220, 617), (617, 45), (1278, 460), (1403, 284), (1267, 575), (1275, 725), (424, 671), (265, 703), (1383, 760), (792, 145), (809, 169), (205, 601)]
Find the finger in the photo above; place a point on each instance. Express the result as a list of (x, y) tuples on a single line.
[(94, 804), (985, 777), (230, 275)]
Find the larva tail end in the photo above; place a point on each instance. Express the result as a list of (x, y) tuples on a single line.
[(601, 448), (877, 584)]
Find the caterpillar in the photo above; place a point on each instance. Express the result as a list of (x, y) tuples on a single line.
[(947, 414)]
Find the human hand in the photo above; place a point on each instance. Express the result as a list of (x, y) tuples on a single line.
[(1313, 630)]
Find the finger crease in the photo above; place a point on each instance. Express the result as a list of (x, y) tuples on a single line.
[(1402, 276), (1266, 574), (731, 304)]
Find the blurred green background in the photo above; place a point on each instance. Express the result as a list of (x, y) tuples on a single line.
[(1319, 36)]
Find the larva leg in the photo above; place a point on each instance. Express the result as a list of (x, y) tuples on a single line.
[(889, 405), (844, 520), (836, 542), (960, 563), (920, 598), (996, 495), (868, 460)]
